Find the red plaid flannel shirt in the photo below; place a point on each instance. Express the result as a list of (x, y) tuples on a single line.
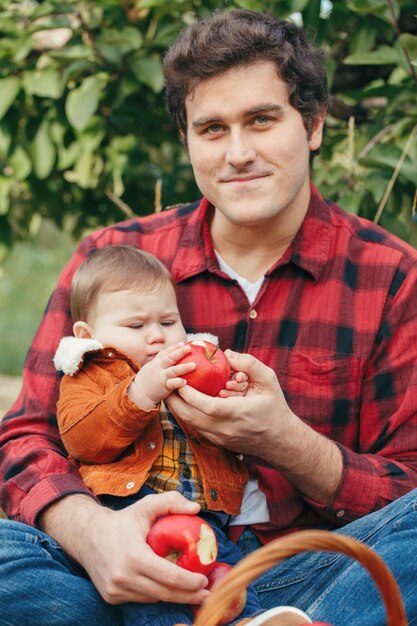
[(335, 318)]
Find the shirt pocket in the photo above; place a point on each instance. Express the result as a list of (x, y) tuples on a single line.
[(324, 391)]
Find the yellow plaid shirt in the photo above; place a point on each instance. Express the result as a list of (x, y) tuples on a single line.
[(175, 469)]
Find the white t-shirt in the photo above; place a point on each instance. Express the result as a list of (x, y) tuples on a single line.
[(254, 508)]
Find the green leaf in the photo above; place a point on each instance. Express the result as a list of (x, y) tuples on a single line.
[(20, 164), (5, 189), (383, 56), (91, 14), (298, 5), (150, 4), (116, 44), (82, 102), (409, 42), (386, 158), (43, 151), (375, 7), (9, 88), (5, 140), (363, 38), (86, 172), (71, 53), (149, 72), (45, 83)]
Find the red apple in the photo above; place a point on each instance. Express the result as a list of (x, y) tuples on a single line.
[(186, 540), (235, 608), (212, 368)]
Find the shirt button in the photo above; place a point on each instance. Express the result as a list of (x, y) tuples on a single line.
[(239, 457), (340, 513), (151, 445), (253, 314), (110, 354), (213, 494), (186, 472), (130, 485)]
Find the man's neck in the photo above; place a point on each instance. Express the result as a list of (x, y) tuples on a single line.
[(250, 250)]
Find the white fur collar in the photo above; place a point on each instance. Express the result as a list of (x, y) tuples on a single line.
[(203, 337), (70, 353), (71, 350)]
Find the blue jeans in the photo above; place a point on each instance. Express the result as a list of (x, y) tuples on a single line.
[(40, 585), (331, 587)]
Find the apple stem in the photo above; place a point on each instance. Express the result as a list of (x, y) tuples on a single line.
[(209, 354)]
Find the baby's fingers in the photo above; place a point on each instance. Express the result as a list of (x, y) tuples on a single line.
[(175, 383), (240, 377)]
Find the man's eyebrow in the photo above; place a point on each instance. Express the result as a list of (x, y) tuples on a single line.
[(202, 121), (263, 108), (259, 108)]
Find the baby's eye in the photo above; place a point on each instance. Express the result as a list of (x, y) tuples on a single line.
[(168, 323), (135, 326)]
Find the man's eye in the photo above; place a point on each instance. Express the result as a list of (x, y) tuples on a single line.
[(262, 119), (213, 129)]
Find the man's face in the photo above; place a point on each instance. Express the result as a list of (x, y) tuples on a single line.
[(137, 323), (248, 146)]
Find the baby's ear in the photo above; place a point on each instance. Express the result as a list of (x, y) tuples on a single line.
[(82, 330)]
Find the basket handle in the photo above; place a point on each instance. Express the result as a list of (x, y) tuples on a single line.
[(254, 564)]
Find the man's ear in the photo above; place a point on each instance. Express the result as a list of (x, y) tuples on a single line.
[(316, 136), (82, 330), (183, 138)]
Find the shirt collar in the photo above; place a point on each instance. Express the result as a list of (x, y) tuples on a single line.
[(309, 249), (195, 253)]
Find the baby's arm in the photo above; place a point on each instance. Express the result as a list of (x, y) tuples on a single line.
[(158, 378)]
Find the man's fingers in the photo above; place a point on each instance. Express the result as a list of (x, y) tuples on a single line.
[(248, 364), (156, 579), (161, 504)]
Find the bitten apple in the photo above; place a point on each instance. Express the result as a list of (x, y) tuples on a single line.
[(186, 540), (212, 367), (236, 606)]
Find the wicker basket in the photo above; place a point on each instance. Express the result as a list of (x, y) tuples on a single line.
[(261, 560)]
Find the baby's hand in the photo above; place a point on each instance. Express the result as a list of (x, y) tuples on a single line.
[(236, 386), (158, 378)]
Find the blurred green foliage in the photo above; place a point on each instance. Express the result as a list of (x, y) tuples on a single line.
[(85, 139), (26, 281)]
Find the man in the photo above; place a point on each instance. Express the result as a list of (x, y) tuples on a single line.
[(323, 304)]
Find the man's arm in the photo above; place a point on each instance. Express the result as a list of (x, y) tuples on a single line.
[(341, 484), (112, 548), (262, 424), (34, 469)]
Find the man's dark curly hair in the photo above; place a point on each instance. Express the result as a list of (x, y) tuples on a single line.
[(234, 38)]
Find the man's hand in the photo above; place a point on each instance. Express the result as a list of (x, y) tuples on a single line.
[(261, 423), (159, 377), (112, 548), (240, 423)]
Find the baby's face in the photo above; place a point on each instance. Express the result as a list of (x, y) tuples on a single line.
[(139, 324)]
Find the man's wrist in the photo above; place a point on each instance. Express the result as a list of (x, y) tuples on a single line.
[(66, 519)]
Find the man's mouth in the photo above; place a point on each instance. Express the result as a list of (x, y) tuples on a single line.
[(243, 179)]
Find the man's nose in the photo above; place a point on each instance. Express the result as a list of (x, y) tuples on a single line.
[(240, 151)]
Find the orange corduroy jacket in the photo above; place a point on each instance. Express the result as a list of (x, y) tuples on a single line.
[(114, 442)]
